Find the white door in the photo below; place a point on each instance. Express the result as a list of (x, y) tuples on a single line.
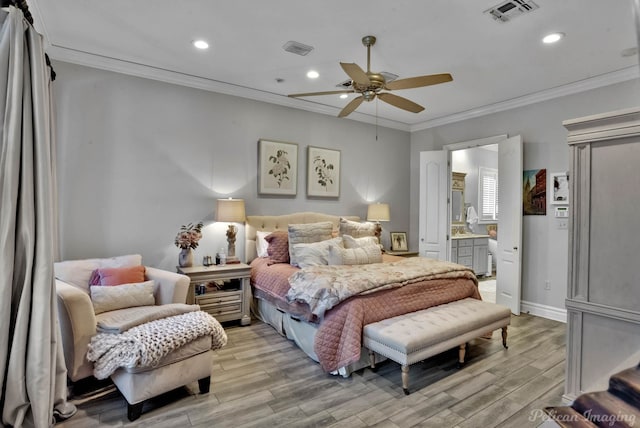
[(434, 192), (509, 223)]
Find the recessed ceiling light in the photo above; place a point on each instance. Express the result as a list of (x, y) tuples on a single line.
[(201, 44), (343, 96), (552, 38), (313, 74)]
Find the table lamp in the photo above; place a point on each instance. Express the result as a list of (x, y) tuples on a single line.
[(378, 212), (231, 211)]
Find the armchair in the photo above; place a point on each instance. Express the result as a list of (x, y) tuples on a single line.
[(78, 323)]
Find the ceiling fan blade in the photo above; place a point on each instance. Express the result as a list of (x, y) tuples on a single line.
[(351, 106), (419, 81), (311, 94), (356, 73), (400, 102)]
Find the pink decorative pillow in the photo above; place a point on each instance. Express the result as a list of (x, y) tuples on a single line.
[(278, 249), (117, 276)]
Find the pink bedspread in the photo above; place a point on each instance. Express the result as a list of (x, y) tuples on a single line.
[(339, 337)]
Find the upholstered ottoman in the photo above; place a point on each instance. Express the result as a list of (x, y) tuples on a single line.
[(413, 337)]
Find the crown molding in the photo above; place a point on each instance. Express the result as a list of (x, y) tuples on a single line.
[(131, 68), (618, 76)]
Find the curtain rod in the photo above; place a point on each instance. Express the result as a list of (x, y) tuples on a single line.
[(24, 7)]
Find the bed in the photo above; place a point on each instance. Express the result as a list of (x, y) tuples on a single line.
[(333, 337)]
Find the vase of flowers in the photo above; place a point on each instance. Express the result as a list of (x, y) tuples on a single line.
[(187, 240)]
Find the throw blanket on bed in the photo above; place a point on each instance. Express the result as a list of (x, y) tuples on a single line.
[(146, 344), (338, 340), (323, 287)]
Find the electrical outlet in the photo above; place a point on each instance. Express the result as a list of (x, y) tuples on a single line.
[(547, 285), (563, 224)]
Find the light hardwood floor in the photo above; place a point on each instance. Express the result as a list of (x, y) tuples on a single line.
[(261, 379)]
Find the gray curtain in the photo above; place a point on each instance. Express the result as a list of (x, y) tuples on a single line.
[(32, 370)]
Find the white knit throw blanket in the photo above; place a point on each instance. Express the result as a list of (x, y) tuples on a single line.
[(146, 344)]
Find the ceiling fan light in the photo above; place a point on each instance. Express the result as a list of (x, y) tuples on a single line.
[(552, 38), (312, 74), (343, 96)]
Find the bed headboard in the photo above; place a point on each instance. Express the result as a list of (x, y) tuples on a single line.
[(281, 222)]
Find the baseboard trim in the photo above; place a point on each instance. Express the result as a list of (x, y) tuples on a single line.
[(544, 311)]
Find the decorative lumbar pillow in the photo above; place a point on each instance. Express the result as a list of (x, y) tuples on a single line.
[(307, 233), (366, 241), (117, 276), (313, 253), (78, 272), (355, 256), (356, 229), (261, 243), (122, 296), (278, 249)]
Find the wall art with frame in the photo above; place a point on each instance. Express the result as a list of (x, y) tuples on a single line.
[(323, 172), (559, 188), (399, 241), (277, 168)]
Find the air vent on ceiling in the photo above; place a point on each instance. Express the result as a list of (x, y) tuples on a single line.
[(511, 9), (297, 48), (388, 77)]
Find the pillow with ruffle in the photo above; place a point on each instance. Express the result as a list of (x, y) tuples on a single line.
[(278, 249), (261, 243), (355, 256), (365, 241), (313, 253), (356, 229)]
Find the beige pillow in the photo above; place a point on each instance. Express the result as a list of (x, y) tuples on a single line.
[(307, 233), (111, 297), (313, 253), (261, 243), (356, 229), (366, 241), (355, 256)]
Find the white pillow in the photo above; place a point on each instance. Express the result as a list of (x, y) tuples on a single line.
[(365, 241), (355, 256), (261, 243), (111, 297), (78, 272), (313, 253), (356, 229), (306, 233)]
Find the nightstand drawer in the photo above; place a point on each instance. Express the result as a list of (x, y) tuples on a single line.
[(465, 251), (219, 298), (219, 311)]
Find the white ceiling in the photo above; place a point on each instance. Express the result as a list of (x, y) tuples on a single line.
[(494, 65)]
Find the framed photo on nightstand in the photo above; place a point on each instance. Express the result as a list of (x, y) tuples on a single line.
[(399, 241)]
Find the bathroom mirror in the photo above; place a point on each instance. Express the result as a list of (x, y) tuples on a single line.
[(457, 198)]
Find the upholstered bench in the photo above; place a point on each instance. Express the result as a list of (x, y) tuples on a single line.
[(413, 337)]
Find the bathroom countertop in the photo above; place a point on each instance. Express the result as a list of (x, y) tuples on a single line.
[(468, 236)]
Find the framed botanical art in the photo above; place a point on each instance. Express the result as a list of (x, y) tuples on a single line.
[(323, 172), (559, 188), (399, 241), (277, 168)]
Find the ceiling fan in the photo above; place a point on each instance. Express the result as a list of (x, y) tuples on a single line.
[(370, 85)]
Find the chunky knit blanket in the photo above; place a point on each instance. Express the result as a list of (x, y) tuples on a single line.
[(145, 345)]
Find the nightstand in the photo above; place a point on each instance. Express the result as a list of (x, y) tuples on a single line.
[(226, 294), (402, 253)]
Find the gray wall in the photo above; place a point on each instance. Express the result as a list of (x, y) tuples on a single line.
[(138, 158), (545, 252)]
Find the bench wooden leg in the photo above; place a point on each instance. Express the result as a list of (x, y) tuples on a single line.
[(405, 379), (134, 411), (461, 353), (504, 337), (204, 384), (372, 360)]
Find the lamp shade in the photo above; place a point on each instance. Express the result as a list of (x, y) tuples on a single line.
[(378, 212), (230, 210)]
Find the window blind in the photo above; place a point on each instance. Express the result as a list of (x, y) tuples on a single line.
[(488, 197)]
